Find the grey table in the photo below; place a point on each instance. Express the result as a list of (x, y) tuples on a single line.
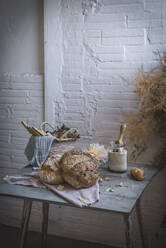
[(121, 201)]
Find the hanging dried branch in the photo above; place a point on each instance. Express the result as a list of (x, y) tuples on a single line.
[(150, 116)]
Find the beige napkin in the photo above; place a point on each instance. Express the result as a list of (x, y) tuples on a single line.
[(78, 197)]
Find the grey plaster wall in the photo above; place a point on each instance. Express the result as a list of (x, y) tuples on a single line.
[(21, 43)]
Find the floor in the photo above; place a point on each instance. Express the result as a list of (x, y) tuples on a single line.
[(9, 238)]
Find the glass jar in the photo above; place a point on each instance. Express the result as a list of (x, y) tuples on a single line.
[(117, 159)]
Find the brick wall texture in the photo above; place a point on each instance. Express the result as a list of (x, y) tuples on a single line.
[(98, 42), (101, 43), (21, 98)]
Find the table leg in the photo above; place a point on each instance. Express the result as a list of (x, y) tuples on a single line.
[(45, 224), (25, 221), (128, 231), (140, 222)]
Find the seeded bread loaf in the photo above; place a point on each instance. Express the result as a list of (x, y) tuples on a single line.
[(79, 169), (50, 171)]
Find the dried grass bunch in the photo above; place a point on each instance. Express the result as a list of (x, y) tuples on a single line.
[(150, 117)]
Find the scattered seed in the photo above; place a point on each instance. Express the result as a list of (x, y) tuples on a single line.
[(110, 189), (122, 185), (6, 178), (107, 178)]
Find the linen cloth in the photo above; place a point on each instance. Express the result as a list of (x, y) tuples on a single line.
[(78, 197), (38, 149)]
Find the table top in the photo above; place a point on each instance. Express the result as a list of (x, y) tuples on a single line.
[(126, 190)]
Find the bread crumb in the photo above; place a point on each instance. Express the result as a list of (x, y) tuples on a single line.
[(83, 200), (60, 187), (107, 178)]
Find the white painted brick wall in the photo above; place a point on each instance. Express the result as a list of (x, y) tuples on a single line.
[(21, 98), (101, 45), (92, 52)]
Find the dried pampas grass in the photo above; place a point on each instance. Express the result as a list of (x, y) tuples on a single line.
[(98, 152)]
